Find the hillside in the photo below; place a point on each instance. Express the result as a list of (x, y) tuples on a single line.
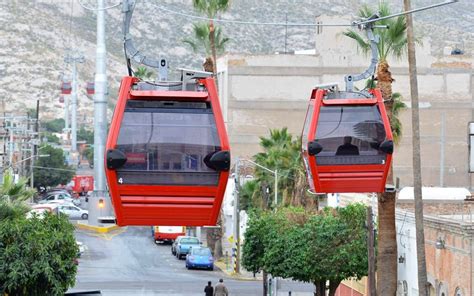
[(36, 34)]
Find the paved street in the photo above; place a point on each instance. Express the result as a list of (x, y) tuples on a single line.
[(128, 262)]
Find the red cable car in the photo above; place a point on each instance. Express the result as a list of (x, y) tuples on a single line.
[(347, 142), (66, 88), (167, 159), (90, 88)]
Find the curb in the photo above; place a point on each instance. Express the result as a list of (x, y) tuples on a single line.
[(234, 275), (98, 229)]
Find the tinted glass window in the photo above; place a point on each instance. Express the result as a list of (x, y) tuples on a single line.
[(201, 252), (169, 142), (350, 135), (189, 241)]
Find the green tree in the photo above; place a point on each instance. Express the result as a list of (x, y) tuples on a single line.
[(393, 42), (247, 196), (321, 248), (201, 39), (85, 135), (89, 154), (52, 170), (51, 138), (256, 242), (55, 126), (282, 153), (211, 8), (12, 197), (337, 247), (37, 256), (143, 73)]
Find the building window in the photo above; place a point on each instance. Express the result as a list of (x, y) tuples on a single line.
[(402, 289), (458, 292), (442, 290)]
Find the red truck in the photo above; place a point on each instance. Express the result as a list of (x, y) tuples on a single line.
[(83, 184), (167, 233)]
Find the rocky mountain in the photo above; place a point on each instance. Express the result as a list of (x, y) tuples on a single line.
[(36, 34)]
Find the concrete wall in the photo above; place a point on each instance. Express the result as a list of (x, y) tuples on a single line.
[(259, 93)]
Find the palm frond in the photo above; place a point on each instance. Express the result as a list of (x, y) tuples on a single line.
[(362, 44)]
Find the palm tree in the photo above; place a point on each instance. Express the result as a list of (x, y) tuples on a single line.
[(143, 73), (13, 195), (282, 152), (211, 8), (201, 39), (393, 42)]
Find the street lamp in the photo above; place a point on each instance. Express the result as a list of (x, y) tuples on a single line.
[(274, 172)]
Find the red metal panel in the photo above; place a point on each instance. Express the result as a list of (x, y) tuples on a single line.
[(166, 205), (347, 178), (163, 95), (350, 102)]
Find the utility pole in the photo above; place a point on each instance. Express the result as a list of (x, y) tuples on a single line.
[(371, 251), (286, 31), (33, 146), (100, 123), (420, 234), (74, 58), (237, 218), (66, 116)]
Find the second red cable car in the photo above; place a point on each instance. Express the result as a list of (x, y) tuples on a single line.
[(347, 142), (167, 153)]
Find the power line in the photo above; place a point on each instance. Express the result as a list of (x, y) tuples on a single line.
[(239, 22), (55, 169), (97, 9)]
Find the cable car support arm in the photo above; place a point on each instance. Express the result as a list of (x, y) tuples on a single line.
[(131, 51), (374, 40)]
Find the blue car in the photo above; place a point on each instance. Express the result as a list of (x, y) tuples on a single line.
[(183, 245), (199, 257)]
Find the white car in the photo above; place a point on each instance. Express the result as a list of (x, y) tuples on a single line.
[(59, 197), (73, 212)]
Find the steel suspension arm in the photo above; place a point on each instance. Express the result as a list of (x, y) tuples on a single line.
[(130, 50)]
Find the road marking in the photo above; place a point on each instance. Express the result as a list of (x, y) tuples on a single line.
[(106, 236)]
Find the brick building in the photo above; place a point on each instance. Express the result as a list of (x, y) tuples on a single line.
[(449, 247)]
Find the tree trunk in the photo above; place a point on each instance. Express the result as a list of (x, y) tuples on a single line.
[(214, 238), (333, 285), (212, 41), (387, 239), (265, 282), (417, 182), (320, 288), (208, 65)]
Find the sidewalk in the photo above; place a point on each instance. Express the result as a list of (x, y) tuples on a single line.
[(228, 269)]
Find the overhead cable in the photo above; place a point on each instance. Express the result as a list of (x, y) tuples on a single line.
[(239, 22), (97, 9)]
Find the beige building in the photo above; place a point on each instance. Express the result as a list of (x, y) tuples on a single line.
[(263, 92)]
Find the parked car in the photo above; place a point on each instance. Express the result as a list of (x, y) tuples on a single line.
[(199, 257), (175, 243), (184, 244), (73, 211), (41, 210), (59, 196)]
